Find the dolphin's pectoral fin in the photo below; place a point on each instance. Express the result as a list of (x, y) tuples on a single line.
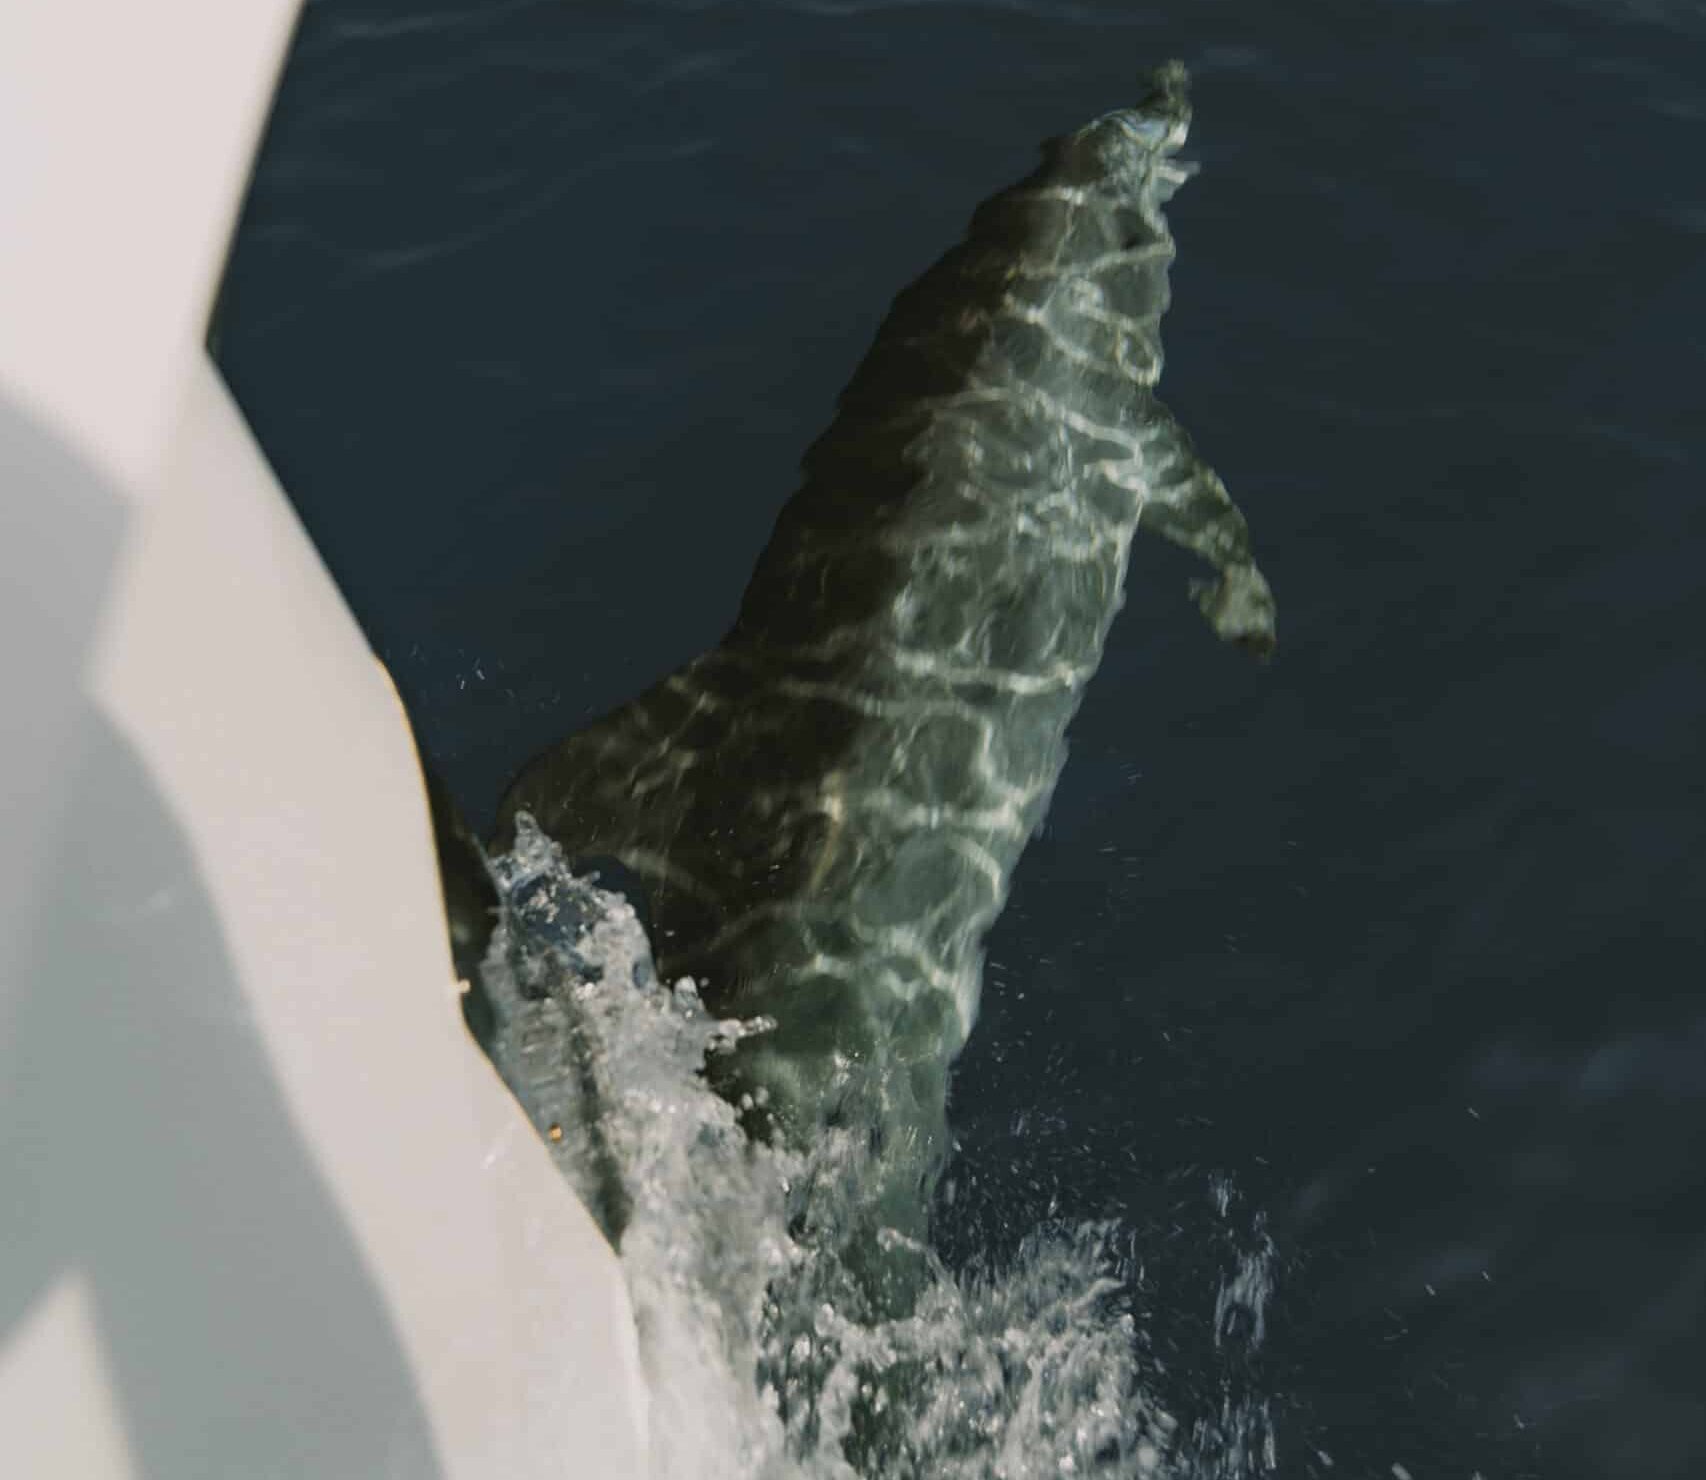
[(1189, 505)]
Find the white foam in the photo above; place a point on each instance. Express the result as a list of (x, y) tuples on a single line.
[(764, 1358)]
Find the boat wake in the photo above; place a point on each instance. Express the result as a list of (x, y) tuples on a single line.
[(769, 1350)]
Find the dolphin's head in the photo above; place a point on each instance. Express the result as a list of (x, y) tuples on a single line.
[(1136, 146)]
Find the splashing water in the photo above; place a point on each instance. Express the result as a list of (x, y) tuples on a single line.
[(764, 1351)]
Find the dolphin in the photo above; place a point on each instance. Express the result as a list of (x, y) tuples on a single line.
[(826, 808)]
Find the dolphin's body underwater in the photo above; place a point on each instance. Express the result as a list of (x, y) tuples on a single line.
[(828, 805)]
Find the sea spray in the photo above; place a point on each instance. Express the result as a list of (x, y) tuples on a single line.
[(765, 1355), (608, 1062)]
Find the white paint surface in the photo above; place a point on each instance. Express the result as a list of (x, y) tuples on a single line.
[(268, 1208)]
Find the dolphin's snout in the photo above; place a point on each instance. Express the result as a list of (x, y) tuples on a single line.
[(1143, 139)]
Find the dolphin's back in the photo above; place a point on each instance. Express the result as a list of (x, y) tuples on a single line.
[(829, 804)]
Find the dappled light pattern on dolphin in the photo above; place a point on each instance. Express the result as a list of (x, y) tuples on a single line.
[(827, 807)]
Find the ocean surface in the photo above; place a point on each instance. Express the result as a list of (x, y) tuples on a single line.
[(1359, 994)]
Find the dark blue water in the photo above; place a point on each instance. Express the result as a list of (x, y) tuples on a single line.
[(535, 307)]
